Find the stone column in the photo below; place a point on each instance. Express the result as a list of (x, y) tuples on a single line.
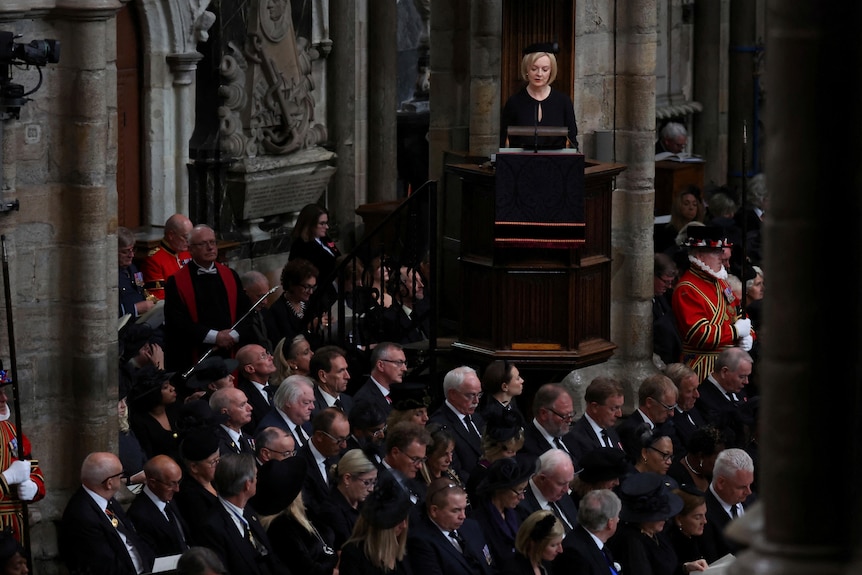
[(486, 20), (342, 104), (809, 374), (183, 68), (382, 100)]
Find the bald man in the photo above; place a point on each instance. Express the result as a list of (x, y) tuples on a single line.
[(153, 511), (169, 256), (95, 536)]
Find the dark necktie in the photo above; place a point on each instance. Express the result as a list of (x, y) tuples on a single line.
[(733, 512), (732, 397), (456, 537), (560, 445), (559, 513), (388, 399), (471, 429), (606, 439), (268, 392), (175, 524), (338, 404), (298, 437)]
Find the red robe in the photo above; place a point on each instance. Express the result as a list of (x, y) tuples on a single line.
[(705, 310), (10, 507)]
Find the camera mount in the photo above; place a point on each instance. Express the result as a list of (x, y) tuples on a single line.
[(36, 53)]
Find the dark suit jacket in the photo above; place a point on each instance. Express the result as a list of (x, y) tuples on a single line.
[(228, 445), (685, 427), (431, 553), (714, 405), (355, 562), (535, 443), (320, 402), (500, 539), (274, 419), (580, 555), (401, 328), (716, 521), (219, 533), (467, 448), (584, 439), (340, 516), (315, 490), (89, 544), (260, 406), (195, 504), (530, 504), (666, 342), (370, 392), (154, 528)]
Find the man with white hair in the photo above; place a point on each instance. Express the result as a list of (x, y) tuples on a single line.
[(549, 488), (462, 389), (728, 496), (291, 409)]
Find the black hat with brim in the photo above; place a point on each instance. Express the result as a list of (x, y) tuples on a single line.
[(388, 505), (209, 370), (646, 497), (278, 484), (603, 464), (506, 473), (503, 425), (199, 443), (713, 237), (409, 395)]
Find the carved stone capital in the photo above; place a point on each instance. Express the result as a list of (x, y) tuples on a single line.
[(89, 10), (183, 67)]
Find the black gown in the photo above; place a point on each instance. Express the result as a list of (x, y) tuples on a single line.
[(557, 111)]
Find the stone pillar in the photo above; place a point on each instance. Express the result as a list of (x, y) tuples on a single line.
[(382, 100), (486, 20), (450, 113), (342, 114), (810, 527), (183, 68)]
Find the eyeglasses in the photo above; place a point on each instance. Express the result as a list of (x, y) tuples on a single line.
[(519, 492), (664, 405), (264, 355), (114, 476), (416, 460), (398, 362), (286, 454), (367, 482), (207, 243), (471, 396), (379, 432), (171, 484), (567, 418), (338, 440), (668, 457), (323, 223), (308, 287)]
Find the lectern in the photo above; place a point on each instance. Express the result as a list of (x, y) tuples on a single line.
[(537, 305)]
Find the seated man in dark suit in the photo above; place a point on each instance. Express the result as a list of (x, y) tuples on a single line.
[(232, 404), (462, 389), (156, 517), (584, 550), (330, 430), (724, 388), (407, 320), (656, 404), (549, 488), (273, 444), (95, 536), (604, 398), (686, 417), (291, 408), (441, 540), (728, 495), (233, 529), (553, 412), (388, 366), (406, 444), (255, 365), (328, 368)]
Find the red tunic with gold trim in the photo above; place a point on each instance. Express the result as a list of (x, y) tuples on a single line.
[(161, 263), (705, 310), (10, 507)]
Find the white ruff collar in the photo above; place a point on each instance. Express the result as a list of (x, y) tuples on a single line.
[(721, 275), (4, 415)]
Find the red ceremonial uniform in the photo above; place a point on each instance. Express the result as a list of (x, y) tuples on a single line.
[(11, 509), (161, 263), (705, 310)]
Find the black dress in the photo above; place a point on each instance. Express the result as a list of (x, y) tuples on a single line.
[(687, 548), (303, 551), (640, 554), (557, 111), (338, 514), (355, 562), (155, 439), (195, 503)]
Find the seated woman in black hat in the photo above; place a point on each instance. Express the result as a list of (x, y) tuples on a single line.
[(199, 456), (154, 411), (13, 557), (639, 544), (537, 104), (410, 402), (378, 545), (685, 531), (493, 507), (305, 547), (601, 468), (503, 437)]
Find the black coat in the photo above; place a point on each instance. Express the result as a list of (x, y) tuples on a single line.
[(431, 553), (303, 551), (581, 555), (228, 445), (315, 490), (339, 516), (260, 406), (152, 525), (468, 449), (320, 403), (355, 562), (535, 443), (370, 392), (499, 535), (195, 504), (89, 544), (529, 504), (584, 439)]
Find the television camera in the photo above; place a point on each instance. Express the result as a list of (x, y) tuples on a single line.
[(36, 53)]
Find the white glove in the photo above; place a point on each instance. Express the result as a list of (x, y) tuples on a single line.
[(18, 472), (746, 343), (27, 490), (743, 327)]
